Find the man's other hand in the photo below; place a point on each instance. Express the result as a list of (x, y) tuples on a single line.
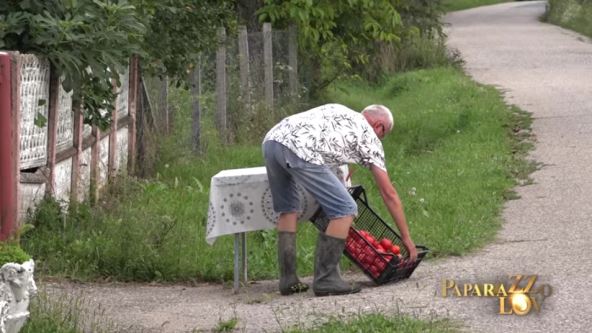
[(410, 249)]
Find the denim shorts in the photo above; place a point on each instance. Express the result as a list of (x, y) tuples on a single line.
[(285, 170)]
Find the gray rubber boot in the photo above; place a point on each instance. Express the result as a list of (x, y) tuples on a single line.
[(327, 278), (289, 282)]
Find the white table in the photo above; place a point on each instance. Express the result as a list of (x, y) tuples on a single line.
[(240, 201)]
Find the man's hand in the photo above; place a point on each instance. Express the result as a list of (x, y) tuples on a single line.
[(410, 249)]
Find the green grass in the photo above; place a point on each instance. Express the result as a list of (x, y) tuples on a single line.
[(64, 315), (452, 5), (571, 14), (226, 325), (381, 323), (453, 147), (451, 156)]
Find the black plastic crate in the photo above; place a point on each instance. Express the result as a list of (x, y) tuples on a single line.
[(380, 266)]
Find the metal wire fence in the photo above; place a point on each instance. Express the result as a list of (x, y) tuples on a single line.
[(235, 94)]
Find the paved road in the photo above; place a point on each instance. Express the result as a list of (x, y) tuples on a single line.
[(543, 69)]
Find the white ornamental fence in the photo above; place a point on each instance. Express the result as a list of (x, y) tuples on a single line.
[(63, 158)]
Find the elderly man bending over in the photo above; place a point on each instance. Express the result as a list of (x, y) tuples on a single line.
[(300, 150)]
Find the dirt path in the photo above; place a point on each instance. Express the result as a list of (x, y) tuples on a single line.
[(543, 69)]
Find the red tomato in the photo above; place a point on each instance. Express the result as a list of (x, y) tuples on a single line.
[(386, 243), (381, 265), (395, 249), (375, 270), (366, 259), (379, 248)]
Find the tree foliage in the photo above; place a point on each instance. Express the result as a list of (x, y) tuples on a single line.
[(89, 41), (178, 30), (335, 34), (340, 37)]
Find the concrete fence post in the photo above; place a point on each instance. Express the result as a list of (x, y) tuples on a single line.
[(243, 54), (195, 103), (52, 129), (221, 88), (293, 61), (268, 65)]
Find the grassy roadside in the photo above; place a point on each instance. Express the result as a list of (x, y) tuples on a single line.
[(382, 323), (452, 5), (453, 158), (571, 14), (451, 155), (68, 314)]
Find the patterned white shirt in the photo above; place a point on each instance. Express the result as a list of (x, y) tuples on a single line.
[(330, 134)]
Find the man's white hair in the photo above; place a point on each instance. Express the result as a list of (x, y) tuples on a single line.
[(380, 112)]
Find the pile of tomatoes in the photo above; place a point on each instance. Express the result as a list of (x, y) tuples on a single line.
[(372, 255)]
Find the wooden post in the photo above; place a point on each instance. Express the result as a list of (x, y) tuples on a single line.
[(243, 54), (94, 164), (144, 112), (77, 143), (293, 62), (111, 159), (132, 104), (9, 144), (163, 105), (195, 100), (221, 94), (268, 65), (52, 129)]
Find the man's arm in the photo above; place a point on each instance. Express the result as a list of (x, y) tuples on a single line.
[(395, 207)]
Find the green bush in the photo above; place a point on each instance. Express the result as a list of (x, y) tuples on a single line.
[(87, 43), (12, 253), (571, 14)]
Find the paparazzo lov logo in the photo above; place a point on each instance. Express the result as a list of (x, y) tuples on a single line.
[(520, 295)]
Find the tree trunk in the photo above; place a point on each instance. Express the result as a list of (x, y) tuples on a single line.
[(247, 14)]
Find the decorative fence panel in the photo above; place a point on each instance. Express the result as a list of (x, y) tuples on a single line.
[(53, 155), (65, 120), (34, 95)]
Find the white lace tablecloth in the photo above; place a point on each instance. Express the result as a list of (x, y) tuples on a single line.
[(240, 201)]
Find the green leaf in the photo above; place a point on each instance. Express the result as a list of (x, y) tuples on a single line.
[(40, 120), (41, 102)]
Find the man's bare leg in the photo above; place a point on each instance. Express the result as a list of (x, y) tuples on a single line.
[(339, 227)]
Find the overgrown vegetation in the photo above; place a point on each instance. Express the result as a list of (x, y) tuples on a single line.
[(12, 252), (453, 157), (67, 314), (571, 14), (88, 42), (363, 37)]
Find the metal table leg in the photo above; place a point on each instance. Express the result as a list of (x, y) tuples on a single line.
[(244, 255), (236, 263)]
